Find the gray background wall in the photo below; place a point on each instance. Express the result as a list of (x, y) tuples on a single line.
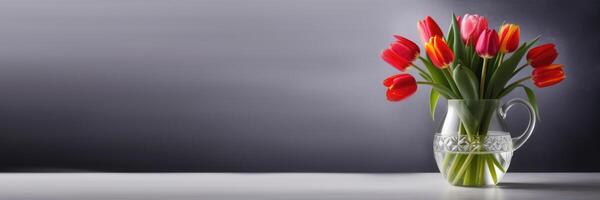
[(107, 85)]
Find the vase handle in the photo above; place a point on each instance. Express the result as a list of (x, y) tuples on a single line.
[(521, 139)]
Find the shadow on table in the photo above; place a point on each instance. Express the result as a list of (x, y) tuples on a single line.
[(581, 186), (509, 190)]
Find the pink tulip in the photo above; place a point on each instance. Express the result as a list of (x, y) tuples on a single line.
[(487, 44), (471, 27)]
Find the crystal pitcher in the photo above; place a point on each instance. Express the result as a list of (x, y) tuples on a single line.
[(473, 146)]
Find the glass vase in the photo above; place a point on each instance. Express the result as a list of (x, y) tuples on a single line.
[(473, 146)]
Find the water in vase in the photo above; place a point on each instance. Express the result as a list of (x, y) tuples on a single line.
[(473, 161)]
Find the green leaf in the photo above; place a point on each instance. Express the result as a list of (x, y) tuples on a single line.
[(532, 42), (519, 69), (466, 81), (452, 83), (472, 57), (505, 71), (436, 74), (425, 76), (433, 101), (532, 100), (472, 77), (476, 64), (442, 90), (442, 78), (450, 38), (493, 65), (508, 89), (457, 44)]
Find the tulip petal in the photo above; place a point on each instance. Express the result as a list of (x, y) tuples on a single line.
[(428, 28), (542, 55), (509, 38), (548, 75), (390, 80), (438, 51), (487, 45), (401, 87), (471, 27), (395, 60)]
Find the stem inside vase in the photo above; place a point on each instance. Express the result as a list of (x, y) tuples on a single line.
[(472, 161)]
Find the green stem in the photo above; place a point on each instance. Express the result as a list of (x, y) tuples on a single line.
[(491, 168), (521, 80), (470, 180), (455, 166), (520, 68), (445, 163), (500, 60), (464, 166), (483, 77), (512, 86), (477, 169), (428, 77), (500, 167), (448, 74), (469, 174), (481, 168), (463, 130), (496, 64), (469, 55)]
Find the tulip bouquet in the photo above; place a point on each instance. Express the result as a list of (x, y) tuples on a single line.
[(471, 62)]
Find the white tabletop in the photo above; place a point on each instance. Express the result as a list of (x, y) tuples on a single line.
[(312, 186)]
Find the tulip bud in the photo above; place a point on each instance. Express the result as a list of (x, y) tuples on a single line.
[(509, 38), (400, 86), (487, 44), (542, 55), (438, 51), (401, 53), (548, 75), (429, 28), (471, 27)]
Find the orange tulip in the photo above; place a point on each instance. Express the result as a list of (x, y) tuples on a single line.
[(438, 51), (400, 86), (542, 55), (428, 28), (401, 53), (548, 75), (509, 38)]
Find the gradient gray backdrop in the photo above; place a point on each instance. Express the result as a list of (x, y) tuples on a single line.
[(280, 85)]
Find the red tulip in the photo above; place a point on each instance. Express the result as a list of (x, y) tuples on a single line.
[(542, 55), (438, 51), (428, 28), (487, 44), (509, 38), (401, 53), (547, 75), (471, 27), (400, 86)]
